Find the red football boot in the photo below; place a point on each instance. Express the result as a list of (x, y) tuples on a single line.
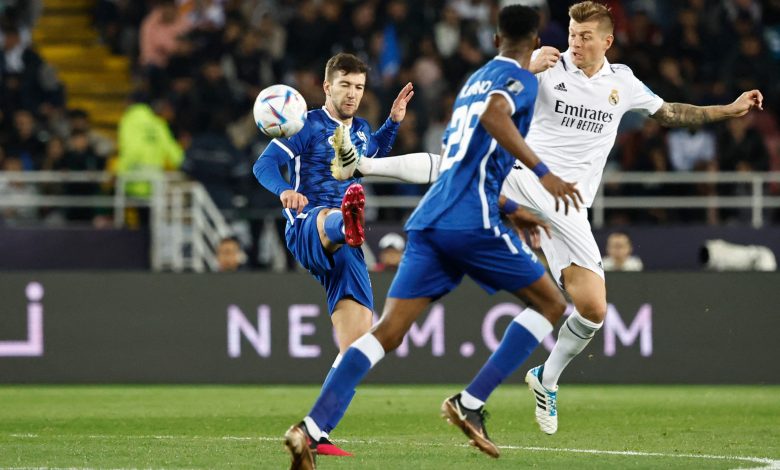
[(352, 209), (326, 447)]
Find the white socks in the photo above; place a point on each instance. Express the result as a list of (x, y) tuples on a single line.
[(574, 335), (419, 168), (313, 429), (370, 347), (470, 401)]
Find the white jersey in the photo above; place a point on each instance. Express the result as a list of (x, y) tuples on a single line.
[(576, 118)]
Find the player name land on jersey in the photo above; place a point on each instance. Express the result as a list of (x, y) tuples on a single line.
[(478, 88)]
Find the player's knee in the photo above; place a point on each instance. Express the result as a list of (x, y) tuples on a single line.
[(388, 337), (596, 314), (594, 310)]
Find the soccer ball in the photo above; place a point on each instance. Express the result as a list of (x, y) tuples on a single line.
[(280, 111)]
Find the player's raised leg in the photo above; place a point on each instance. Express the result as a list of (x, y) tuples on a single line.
[(352, 209), (417, 168), (588, 292), (337, 227)]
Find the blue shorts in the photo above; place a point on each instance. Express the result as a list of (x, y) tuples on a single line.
[(436, 260), (343, 274)]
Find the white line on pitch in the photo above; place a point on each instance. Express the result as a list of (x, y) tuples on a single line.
[(766, 463)]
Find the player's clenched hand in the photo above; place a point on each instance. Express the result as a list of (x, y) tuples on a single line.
[(398, 110), (523, 220), (293, 200), (746, 102), (545, 59), (562, 191)]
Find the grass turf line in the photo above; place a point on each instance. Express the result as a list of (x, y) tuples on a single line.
[(387, 427)]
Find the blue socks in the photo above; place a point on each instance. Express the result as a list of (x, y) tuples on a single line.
[(520, 339), (334, 420), (334, 227), (341, 386)]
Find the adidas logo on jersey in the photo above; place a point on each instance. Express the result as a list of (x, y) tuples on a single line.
[(560, 87)]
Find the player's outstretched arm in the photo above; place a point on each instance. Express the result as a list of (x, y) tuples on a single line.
[(496, 120), (682, 114)]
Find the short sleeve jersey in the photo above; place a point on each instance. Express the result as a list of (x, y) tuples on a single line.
[(473, 165), (576, 118)]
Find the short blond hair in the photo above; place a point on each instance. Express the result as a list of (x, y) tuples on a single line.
[(592, 11)]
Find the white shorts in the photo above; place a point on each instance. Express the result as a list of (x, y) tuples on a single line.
[(572, 240)]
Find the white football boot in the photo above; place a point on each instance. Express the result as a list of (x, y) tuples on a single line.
[(546, 401), (346, 158)]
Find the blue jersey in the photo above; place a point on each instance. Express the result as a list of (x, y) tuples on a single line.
[(473, 165), (309, 152)]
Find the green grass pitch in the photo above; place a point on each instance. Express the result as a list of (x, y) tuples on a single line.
[(388, 427)]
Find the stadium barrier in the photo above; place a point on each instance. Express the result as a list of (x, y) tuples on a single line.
[(104, 327)]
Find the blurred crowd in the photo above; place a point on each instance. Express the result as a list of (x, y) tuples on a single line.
[(198, 65)]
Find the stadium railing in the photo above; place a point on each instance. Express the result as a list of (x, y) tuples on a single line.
[(185, 224), (755, 187), (760, 192)]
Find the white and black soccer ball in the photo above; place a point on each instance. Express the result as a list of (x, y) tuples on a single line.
[(280, 111)]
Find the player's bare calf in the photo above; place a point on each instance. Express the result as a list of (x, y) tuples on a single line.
[(352, 207)]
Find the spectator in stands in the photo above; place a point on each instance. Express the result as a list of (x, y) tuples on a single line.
[(219, 166), (619, 254), (692, 149), (309, 43), (447, 32), (102, 146), (146, 144), (214, 95), (80, 156), (695, 149), (749, 66), (21, 66), (230, 255), (741, 147), (248, 40), (28, 141), (391, 249), (15, 189), (159, 33)]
